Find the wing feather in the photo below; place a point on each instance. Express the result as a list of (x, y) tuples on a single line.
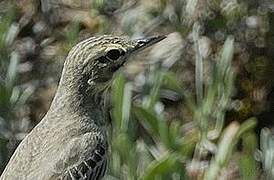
[(93, 168)]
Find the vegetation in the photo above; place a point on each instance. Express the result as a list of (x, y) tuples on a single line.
[(199, 105)]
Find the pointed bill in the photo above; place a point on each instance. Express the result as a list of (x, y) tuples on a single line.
[(146, 42)]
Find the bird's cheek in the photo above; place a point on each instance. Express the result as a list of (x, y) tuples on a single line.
[(116, 66), (104, 76)]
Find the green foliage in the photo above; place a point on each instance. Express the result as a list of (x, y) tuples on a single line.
[(166, 148), (12, 96), (266, 155), (247, 164), (72, 35), (126, 147), (146, 142)]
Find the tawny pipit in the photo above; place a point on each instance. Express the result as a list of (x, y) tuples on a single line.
[(70, 141)]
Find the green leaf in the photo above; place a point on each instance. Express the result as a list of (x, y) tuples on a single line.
[(247, 167), (170, 81), (147, 118), (247, 164), (164, 133), (223, 66), (223, 154), (126, 106), (73, 33), (117, 99), (174, 133), (246, 126), (5, 23), (154, 93), (12, 70), (25, 95), (198, 65), (162, 166)]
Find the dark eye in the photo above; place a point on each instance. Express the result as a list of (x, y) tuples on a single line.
[(114, 54)]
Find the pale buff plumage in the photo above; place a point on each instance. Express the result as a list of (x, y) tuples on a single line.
[(70, 141)]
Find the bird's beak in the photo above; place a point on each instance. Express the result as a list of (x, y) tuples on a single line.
[(146, 42)]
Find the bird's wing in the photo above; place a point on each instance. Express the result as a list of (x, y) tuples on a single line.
[(92, 168)]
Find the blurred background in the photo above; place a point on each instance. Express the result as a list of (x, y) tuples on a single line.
[(197, 105)]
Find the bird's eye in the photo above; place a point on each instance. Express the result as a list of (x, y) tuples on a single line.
[(114, 54)]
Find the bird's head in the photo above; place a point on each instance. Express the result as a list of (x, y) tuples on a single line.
[(87, 72), (96, 59), (90, 64)]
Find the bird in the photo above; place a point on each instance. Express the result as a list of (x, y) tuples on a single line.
[(71, 142)]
